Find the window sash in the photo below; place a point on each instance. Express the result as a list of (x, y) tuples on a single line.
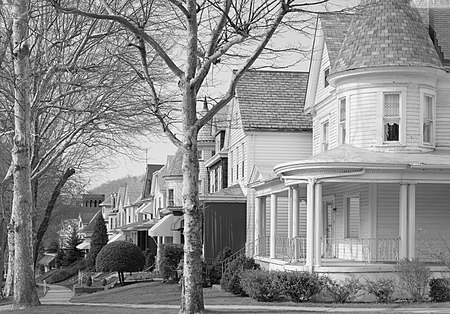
[(325, 135), (342, 120), (428, 119)]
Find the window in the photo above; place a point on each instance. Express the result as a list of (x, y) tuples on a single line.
[(352, 217), (428, 119), (236, 160), (200, 154), (171, 201), (342, 120), (391, 117), (242, 161), (325, 135), (326, 74), (220, 141)]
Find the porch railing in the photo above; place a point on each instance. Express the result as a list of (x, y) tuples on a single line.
[(290, 249), (364, 249)]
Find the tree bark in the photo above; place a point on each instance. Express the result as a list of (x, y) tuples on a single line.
[(48, 211), (25, 294)]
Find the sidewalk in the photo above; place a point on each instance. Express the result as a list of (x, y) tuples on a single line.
[(56, 295)]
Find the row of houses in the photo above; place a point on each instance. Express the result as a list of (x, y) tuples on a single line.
[(340, 170)]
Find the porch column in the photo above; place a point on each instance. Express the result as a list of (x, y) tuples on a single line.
[(295, 219), (290, 213), (310, 225), (273, 224), (403, 223), (263, 249), (318, 227), (412, 221), (258, 223), (295, 212)]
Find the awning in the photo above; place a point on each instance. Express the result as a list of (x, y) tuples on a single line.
[(84, 246), (117, 237), (46, 260), (145, 209), (165, 226)]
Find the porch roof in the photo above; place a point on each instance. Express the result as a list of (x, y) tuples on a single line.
[(351, 157)]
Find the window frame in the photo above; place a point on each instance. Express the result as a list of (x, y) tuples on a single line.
[(346, 215), (426, 92), (326, 74), (322, 135), (343, 139), (401, 91)]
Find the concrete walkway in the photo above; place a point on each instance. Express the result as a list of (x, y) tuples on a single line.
[(56, 295)]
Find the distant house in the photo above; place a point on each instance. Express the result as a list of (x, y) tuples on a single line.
[(379, 179)]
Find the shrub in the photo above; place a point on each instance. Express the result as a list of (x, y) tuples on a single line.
[(261, 285), (149, 260), (66, 273), (382, 288), (120, 256), (171, 255), (89, 281), (414, 276), (343, 291), (231, 279), (98, 240), (300, 286), (216, 271), (439, 290)]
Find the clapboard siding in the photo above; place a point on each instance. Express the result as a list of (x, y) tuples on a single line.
[(322, 91), (282, 216), (443, 118), (274, 148), (388, 210), (362, 124), (327, 112), (342, 190), (413, 127), (433, 209)]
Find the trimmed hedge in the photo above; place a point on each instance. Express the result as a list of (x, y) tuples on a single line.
[(439, 289), (300, 286), (231, 279), (261, 285), (170, 257), (66, 273)]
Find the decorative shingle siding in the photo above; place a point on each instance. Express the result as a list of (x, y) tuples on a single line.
[(386, 33), (440, 22), (273, 101), (443, 118)]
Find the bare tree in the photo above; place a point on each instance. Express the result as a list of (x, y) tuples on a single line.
[(203, 35)]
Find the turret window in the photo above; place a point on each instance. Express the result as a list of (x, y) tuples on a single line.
[(342, 120), (428, 119), (325, 135), (391, 117)]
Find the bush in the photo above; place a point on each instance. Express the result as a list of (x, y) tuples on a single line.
[(439, 290), (261, 285), (299, 286), (382, 288), (149, 260), (120, 256), (414, 276), (216, 271), (89, 281), (171, 255), (66, 273), (231, 279), (343, 291)]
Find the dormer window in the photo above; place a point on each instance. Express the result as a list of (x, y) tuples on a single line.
[(391, 117), (220, 141), (428, 118), (342, 120), (326, 74)]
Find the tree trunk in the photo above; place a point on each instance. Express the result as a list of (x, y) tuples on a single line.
[(25, 294), (7, 291), (48, 211), (192, 300)]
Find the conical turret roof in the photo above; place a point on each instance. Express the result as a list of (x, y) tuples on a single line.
[(386, 33)]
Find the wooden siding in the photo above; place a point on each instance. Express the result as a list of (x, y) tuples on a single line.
[(413, 127), (342, 190), (433, 209), (322, 91), (282, 216), (443, 118), (362, 124), (388, 210)]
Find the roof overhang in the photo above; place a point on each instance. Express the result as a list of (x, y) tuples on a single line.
[(165, 226), (216, 158)]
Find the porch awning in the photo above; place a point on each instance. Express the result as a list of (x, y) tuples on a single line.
[(46, 260), (84, 246), (165, 226), (117, 237)]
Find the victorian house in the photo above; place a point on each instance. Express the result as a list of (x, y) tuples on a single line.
[(377, 186)]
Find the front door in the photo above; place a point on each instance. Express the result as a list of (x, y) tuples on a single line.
[(329, 221)]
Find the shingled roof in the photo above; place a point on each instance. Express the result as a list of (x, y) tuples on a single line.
[(386, 33), (334, 27), (273, 101)]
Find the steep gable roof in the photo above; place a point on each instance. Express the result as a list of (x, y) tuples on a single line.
[(273, 101), (386, 33), (334, 27), (151, 168), (174, 168)]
